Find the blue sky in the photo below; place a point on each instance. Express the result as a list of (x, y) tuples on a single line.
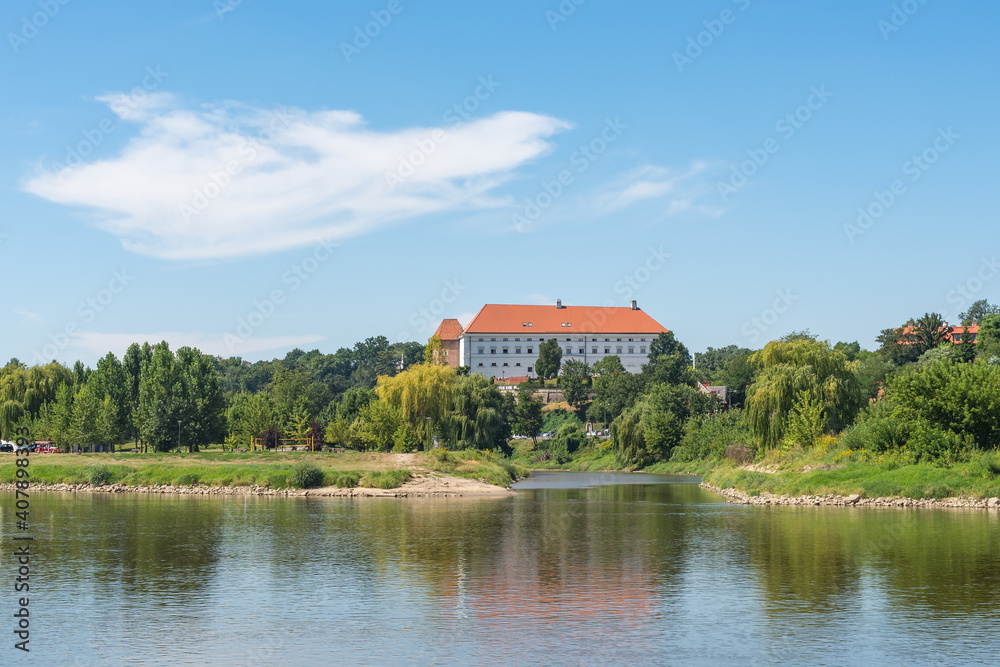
[(248, 177)]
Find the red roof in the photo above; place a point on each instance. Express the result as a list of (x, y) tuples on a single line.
[(449, 330), (502, 318)]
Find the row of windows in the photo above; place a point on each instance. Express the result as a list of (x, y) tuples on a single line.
[(581, 339), (530, 368), (569, 350)]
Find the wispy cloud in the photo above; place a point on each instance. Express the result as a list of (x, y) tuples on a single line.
[(100, 343), (229, 180), (29, 315), (681, 188)]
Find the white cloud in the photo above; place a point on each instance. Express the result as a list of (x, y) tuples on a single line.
[(100, 344), (230, 180), (682, 188), (29, 315)]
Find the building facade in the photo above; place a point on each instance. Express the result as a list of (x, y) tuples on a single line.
[(502, 340), (449, 331)]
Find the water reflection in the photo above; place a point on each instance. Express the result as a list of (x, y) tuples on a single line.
[(640, 572)]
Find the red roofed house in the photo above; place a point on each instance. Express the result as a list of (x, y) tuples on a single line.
[(502, 340), (449, 332)]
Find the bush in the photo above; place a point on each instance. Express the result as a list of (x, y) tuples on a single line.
[(555, 419), (393, 478), (347, 480), (99, 475), (306, 475), (739, 454), (187, 480)]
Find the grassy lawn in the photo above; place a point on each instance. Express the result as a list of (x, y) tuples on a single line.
[(270, 469)]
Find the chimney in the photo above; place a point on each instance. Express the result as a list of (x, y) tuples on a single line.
[(635, 306), (558, 304)]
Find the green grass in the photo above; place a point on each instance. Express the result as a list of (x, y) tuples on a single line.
[(867, 480), (393, 478), (478, 465)]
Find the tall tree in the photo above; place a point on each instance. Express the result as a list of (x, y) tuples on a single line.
[(528, 413), (422, 394), (575, 383), (549, 358)]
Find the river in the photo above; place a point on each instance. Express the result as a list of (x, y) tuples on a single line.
[(574, 569)]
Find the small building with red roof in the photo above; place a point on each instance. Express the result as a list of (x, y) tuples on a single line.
[(502, 340), (449, 331)]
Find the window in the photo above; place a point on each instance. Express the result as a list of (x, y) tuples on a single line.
[(493, 350), (606, 340), (607, 350), (972, 338), (569, 351), (642, 340), (529, 350), (581, 339), (569, 340), (506, 364), (642, 350), (480, 340), (618, 350), (593, 350), (505, 340), (493, 364), (480, 350), (619, 340), (529, 340), (593, 340), (516, 340), (517, 350), (629, 340), (581, 351), (524, 324), (531, 369), (631, 350), (958, 338), (493, 340), (480, 363), (506, 350), (529, 324), (517, 364)]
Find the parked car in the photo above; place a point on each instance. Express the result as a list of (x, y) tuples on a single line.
[(6, 446), (23, 449)]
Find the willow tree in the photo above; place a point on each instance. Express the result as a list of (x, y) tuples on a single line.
[(796, 376), (422, 393), (479, 415)]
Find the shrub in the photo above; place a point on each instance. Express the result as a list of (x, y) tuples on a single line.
[(347, 480), (739, 454), (187, 480), (98, 475), (393, 478), (306, 475)]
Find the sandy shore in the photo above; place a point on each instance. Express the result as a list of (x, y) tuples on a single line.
[(423, 485), (741, 498)]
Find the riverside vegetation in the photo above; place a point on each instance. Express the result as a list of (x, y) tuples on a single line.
[(915, 418)]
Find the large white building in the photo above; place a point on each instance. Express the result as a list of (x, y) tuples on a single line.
[(502, 340)]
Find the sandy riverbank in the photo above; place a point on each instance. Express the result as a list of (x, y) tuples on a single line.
[(736, 496), (422, 485)]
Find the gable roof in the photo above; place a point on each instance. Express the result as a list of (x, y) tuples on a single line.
[(501, 318), (449, 330)]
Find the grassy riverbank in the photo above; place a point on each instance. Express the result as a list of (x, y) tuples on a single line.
[(824, 469), (268, 469)]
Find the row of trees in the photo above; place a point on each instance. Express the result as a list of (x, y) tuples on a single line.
[(378, 395)]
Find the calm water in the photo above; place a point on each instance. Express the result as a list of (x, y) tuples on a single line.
[(593, 569)]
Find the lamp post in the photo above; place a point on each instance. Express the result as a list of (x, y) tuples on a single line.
[(178, 436)]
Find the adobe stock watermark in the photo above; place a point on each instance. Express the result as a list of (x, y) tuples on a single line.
[(562, 13), (964, 293), (632, 282), (696, 44), (899, 17), (94, 137), (427, 146), (223, 7), (264, 309), (914, 168), (87, 311), (581, 159), (757, 326), (427, 318), (218, 181), (381, 18), (47, 10), (786, 126)]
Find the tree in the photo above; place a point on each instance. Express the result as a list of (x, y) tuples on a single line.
[(434, 352), (528, 413), (422, 394), (978, 311), (988, 341), (789, 368), (575, 382), (669, 361), (133, 363), (478, 417), (376, 425), (549, 358), (615, 389)]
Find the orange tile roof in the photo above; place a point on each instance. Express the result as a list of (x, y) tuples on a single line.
[(449, 330), (503, 318)]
